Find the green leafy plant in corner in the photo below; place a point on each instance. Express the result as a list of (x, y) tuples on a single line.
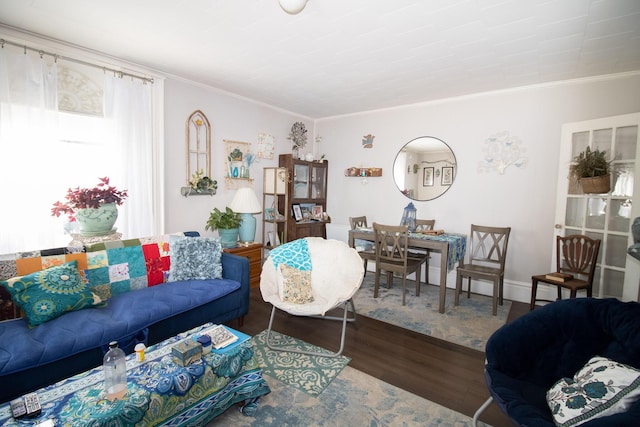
[(590, 163), (223, 220)]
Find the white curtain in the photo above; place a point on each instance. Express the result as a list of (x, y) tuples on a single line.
[(28, 147), (39, 160), (128, 104)]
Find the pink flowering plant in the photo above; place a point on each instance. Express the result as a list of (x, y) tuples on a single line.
[(82, 198)]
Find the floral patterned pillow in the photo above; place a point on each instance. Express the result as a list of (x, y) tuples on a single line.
[(602, 387), (296, 285), (47, 294)]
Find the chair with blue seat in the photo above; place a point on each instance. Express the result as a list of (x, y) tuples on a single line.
[(525, 358)]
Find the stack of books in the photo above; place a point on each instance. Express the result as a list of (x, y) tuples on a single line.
[(559, 277)]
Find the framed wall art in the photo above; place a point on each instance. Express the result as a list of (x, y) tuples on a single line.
[(427, 178), (447, 175)]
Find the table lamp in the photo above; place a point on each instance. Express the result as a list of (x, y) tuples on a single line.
[(245, 202)]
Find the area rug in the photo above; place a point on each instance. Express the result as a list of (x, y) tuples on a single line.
[(309, 374), (352, 399), (470, 324)]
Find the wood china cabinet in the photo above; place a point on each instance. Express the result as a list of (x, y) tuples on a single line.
[(307, 187)]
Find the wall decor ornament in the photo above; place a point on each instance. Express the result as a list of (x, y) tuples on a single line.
[(266, 146), (298, 136), (501, 151), (367, 141)]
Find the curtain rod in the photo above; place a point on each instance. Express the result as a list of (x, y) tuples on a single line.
[(77, 61)]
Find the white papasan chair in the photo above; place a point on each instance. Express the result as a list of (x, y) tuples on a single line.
[(335, 271)]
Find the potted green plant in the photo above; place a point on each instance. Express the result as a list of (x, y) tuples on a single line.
[(227, 223), (95, 209), (591, 169)]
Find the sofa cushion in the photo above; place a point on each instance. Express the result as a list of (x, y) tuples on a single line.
[(602, 387), (49, 293), (126, 314), (195, 258)]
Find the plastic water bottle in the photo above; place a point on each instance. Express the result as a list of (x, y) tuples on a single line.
[(115, 372)]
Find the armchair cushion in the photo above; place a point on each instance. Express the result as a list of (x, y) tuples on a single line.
[(602, 387), (294, 285)]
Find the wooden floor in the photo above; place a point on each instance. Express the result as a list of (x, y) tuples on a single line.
[(440, 371)]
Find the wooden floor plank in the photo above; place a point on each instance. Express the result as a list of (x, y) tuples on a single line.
[(437, 370)]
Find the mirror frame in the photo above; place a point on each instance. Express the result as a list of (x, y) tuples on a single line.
[(439, 173)]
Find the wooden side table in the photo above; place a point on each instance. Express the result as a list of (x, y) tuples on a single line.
[(253, 251)]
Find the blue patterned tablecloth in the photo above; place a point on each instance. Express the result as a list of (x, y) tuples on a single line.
[(159, 392), (457, 245)]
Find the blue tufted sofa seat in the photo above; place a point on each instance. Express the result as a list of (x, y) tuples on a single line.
[(526, 357), (31, 358)]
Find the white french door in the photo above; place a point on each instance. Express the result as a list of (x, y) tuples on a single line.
[(604, 216)]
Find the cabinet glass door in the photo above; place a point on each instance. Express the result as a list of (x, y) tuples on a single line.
[(318, 182), (300, 181)]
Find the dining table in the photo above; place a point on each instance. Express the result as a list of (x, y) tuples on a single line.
[(452, 247)]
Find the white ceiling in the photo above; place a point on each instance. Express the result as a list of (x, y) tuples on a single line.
[(345, 56)]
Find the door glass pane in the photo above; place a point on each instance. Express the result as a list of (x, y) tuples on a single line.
[(616, 255), (626, 138), (300, 182), (602, 140), (579, 142), (619, 215), (596, 211), (623, 179), (612, 284), (574, 214), (318, 183)]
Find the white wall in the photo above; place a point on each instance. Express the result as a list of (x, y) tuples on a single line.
[(231, 118), (521, 198)]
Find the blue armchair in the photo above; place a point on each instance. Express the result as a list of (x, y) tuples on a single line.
[(526, 357)]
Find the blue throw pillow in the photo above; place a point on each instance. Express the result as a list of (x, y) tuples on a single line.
[(47, 294), (194, 258)]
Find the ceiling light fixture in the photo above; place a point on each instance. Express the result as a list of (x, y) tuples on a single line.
[(292, 7)]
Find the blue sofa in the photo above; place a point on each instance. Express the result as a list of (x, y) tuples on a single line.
[(526, 357), (142, 307)]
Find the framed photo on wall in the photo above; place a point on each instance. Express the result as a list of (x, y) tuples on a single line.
[(447, 175), (427, 177), (297, 211)]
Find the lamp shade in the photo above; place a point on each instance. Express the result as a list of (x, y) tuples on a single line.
[(292, 6), (245, 201)]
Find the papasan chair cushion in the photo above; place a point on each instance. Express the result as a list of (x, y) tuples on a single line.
[(526, 357)]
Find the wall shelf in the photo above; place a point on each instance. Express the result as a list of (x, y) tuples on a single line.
[(357, 172), (188, 191)]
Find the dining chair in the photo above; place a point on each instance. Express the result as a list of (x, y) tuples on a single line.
[(487, 257), (392, 256), (365, 249), (576, 257), (423, 225)]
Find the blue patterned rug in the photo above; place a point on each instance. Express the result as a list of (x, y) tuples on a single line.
[(307, 373), (470, 324), (351, 398)]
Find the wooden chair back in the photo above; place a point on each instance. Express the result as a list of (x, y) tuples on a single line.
[(358, 222), (425, 224), (392, 242), (578, 255), (488, 246)]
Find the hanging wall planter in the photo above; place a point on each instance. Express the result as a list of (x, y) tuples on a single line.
[(591, 169)]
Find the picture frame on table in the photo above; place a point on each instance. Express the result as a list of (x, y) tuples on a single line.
[(427, 177), (274, 240), (297, 212), (447, 175), (316, 212)]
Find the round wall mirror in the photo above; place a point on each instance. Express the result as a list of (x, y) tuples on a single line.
[(425, 168)]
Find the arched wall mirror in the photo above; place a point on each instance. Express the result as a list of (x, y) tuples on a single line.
[(425, 168)]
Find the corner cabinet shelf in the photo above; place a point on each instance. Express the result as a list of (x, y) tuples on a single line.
[(307, 187), (275, 199)]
